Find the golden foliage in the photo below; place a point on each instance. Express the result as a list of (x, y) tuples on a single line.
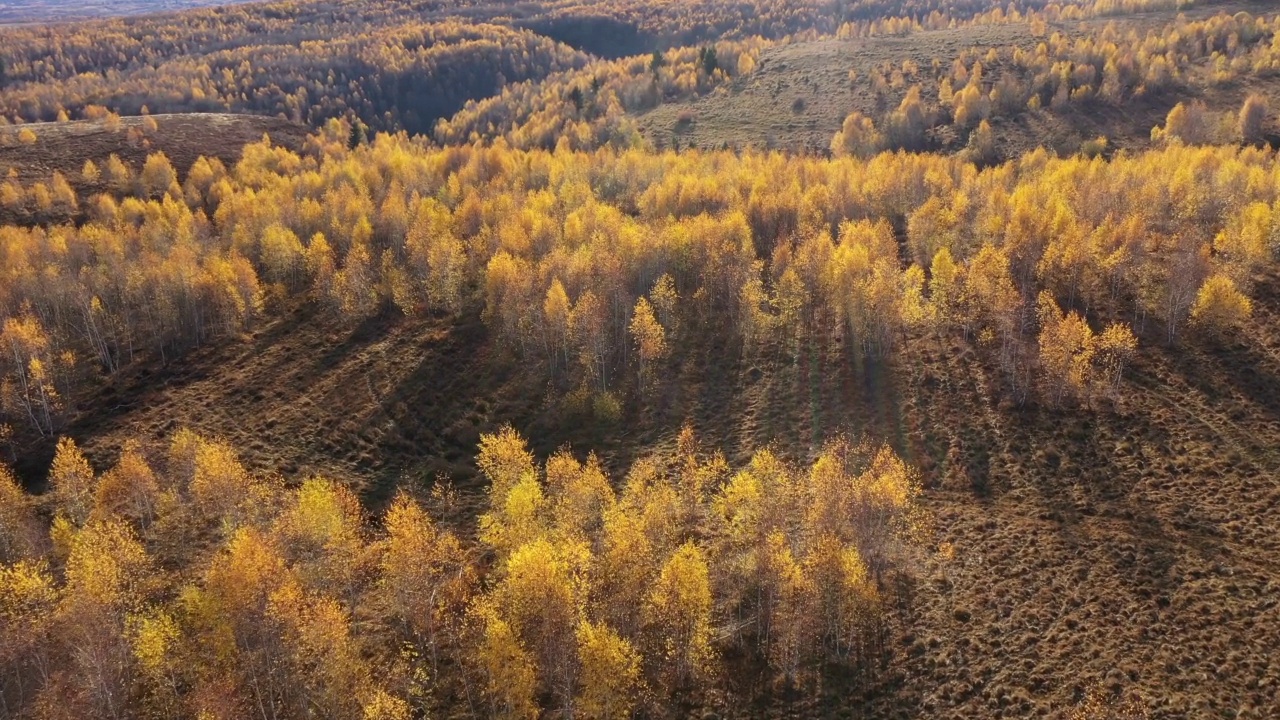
[(576, 597), (1219, 305)]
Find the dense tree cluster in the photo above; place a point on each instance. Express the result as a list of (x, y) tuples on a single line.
[(395, 64), (178, 583), (871, 18), (38, 55), (598, 263)]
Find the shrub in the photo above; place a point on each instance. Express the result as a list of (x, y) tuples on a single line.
[(1095, 147), (606, 407)]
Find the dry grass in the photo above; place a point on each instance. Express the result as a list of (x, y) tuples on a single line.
[(1129, 546), (392, 401), (760, 109)]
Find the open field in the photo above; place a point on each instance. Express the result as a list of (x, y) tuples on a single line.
[(64, 147)]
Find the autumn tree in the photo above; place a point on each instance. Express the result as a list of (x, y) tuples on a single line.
[(905, 127), (154, 641), (73, 482), (754, 317), (118, 175), (845, 598), (129, 490), (1220, 306), (579, 494), (322, 662), (28, 618), (381, 705), (223, 490), (590, 335), (649, 338), (1067, 348), (627, 560), (105, 582), (1252, 119), (353, 287), (610, 673), (424, 578), (945, 291), (505, 461), (321, 533), (1192, 123), (226, 616), (1114, 349), (576, 599), (34, 385), (542, 594), (506, 286), (995, 301), (858, 137), (556, 320), (511, 675), (678, 615), (20, 531), (790, 594), (283, 256), (61, 194), (982, 144)]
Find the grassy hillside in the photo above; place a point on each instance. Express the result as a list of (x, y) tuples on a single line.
[(800, 93)]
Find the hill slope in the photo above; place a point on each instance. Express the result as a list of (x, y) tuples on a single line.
[(801, 92), (1126, 546)]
